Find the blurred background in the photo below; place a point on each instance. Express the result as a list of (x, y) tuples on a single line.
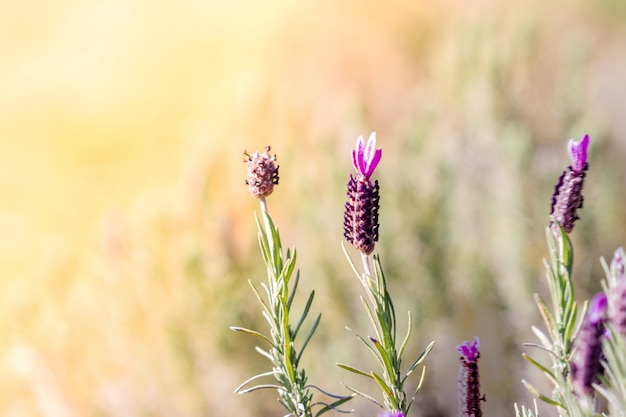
[(128, 234)]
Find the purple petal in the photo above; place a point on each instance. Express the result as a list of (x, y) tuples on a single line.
[(369, 148), (597, 307), (578, 153), (360, 158), (469, 350), (372, 156)]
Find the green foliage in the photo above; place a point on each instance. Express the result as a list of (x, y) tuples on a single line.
[(384, 346), (295, 394), (562, 322)]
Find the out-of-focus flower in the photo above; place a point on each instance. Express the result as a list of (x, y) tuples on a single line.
[(586, 364), (395, 413), (360, 221), (617, 311), (262, 173), (567, 197), (469, 384)]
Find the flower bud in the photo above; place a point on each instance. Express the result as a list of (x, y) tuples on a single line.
[(262, 173)]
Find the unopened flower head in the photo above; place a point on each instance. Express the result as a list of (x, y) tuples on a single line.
[(469, 384), (262, 173), (567, 197), (360, 221), (585, 365)]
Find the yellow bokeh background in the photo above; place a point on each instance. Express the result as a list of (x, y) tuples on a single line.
[(128, 235)]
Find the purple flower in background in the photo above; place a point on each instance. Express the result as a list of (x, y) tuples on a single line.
[(396, 413), (578, 153), (469, 384), (360, 221), (618, 264), (586, 364), (617, 314), (262, 173), (567, 197)]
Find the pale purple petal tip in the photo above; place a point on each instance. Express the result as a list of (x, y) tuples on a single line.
[(618, 264), (365, 157), (396, 413), (597, 307), (469, 350), (578, 153)]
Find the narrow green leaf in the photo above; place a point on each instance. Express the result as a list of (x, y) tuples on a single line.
[(287, 346), (362, 394), (252, 332), (386, 389), (542, 397), (408, 335), (308, 337), (285, 274), (419, 360), (304, 313), (370, 314), (542, 368), (293, 290), (258, 387), (333, 406), (258, 296), (353, 370), (368, 345), (547, 345), (417, 389), (255, 377), (385, 356), (547, 316), (264, 353)]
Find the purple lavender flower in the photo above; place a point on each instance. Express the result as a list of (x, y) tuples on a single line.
[(585, 365), (617, 315), (567, 197), (262, 173), (360, 221), (469, 385), (395, 413)]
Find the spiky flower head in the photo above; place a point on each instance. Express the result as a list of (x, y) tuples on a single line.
[(469, 384), (585, 365), (262, 173), (567, 197), (394, 413), (360, 221)]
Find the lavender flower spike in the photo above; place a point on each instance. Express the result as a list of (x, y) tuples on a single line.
[(360, 220), (365, 158), (586, 364), (578, 153), (567, 197), (469, 385)]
